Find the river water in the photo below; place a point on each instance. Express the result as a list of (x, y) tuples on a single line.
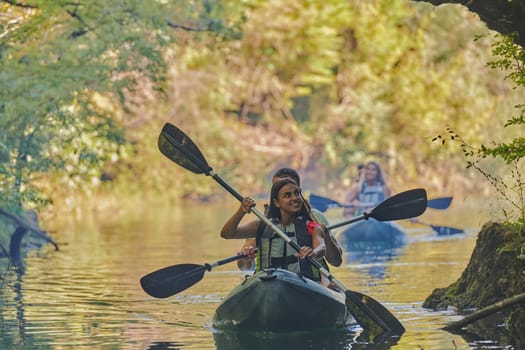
[(87, 295)]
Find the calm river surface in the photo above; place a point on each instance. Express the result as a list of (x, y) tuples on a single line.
[(87, 294)]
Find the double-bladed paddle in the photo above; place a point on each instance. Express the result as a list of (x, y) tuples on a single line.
[(173, 279), (323, 203), (370, 314)]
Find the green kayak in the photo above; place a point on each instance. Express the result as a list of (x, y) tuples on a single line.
[(276, 300)]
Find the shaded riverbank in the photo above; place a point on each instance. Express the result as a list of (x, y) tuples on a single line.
[(495, 272)]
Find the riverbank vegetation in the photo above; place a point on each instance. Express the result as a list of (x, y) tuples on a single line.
[(314, 85)]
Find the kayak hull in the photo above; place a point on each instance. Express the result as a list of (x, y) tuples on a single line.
[(276, 300), (372, 235)]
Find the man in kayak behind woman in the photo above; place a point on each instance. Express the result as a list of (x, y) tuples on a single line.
[(290, 212)]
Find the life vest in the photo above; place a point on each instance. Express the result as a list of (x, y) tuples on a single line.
[(373, 194), (274, 252)]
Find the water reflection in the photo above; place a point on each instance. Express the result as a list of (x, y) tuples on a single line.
[(374, 256), (372, 245), (373, 261), (296, 341), (87, 295), (332, 340), (165, 346)]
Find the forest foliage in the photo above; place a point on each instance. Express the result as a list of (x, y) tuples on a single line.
[(509, 181), (315, 85)]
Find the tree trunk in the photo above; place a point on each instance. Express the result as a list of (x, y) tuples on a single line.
[(489, 310)]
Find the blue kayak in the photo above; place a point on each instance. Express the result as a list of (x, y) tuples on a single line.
[(372, 234)]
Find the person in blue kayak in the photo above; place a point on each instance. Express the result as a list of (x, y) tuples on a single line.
[(288, 211), (334, 252), (369, 191)]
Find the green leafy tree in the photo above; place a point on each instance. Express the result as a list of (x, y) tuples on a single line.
[(299, 82), (509, 181), (68, 73), (314, 82)]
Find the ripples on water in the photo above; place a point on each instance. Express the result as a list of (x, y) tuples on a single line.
[(87, 295)]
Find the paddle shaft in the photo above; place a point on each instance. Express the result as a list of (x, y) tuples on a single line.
[(435, 203), (226, 261), (297, 248), (346, 222), (209, 267)]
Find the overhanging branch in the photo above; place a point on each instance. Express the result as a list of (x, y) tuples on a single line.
[(19, 4), (503, 16)]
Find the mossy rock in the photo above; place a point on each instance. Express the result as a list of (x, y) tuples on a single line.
[(494, 273)]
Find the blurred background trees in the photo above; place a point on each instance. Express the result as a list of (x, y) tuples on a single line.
[(316, 85)]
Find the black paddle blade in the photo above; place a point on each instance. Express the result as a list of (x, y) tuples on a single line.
[(362, 314), (403, 205), (372, 315), (171, 280), (446, 230), (439, 203), (178, 147), (322, 203)]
